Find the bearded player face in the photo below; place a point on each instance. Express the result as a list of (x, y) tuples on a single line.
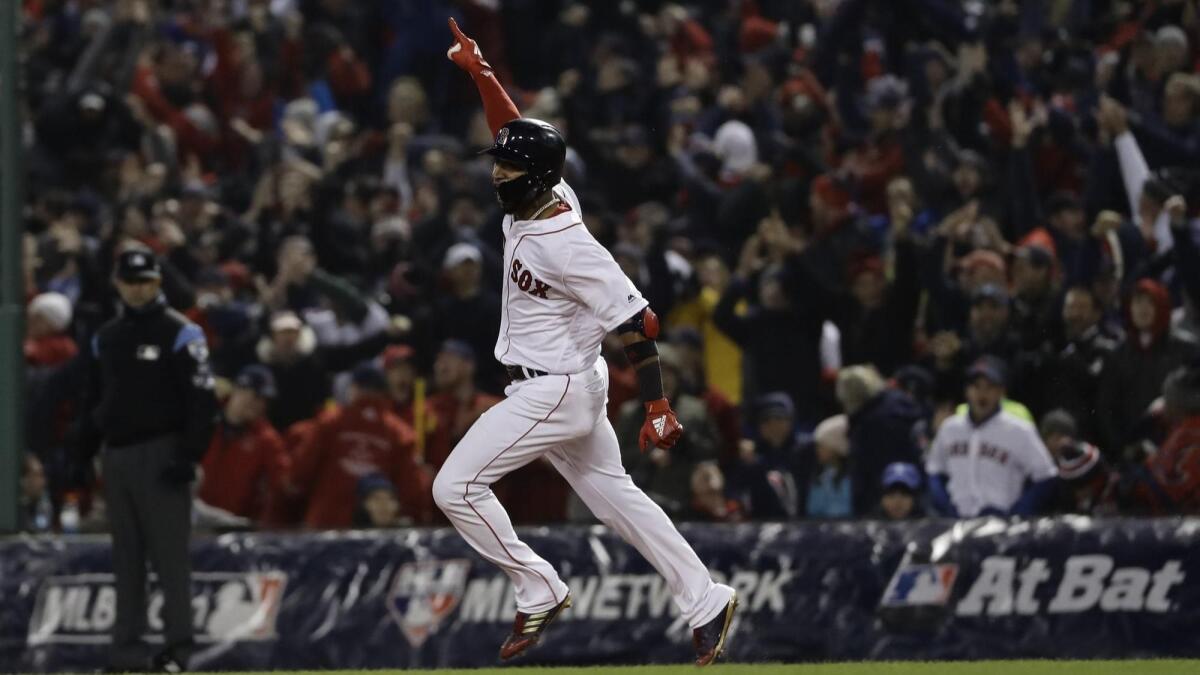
[(512, 184)]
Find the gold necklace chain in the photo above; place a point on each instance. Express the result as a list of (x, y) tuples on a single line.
[(545, 206)]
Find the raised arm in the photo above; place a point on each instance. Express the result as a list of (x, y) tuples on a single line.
[(465, 54), (1187, 255), (1134, 169)]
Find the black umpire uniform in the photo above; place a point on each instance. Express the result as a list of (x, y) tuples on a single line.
[(150, 404)]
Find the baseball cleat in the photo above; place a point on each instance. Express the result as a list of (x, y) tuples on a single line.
[(710, 638), (528, 629)]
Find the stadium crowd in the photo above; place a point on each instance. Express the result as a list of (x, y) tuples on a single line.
[(854, 216)]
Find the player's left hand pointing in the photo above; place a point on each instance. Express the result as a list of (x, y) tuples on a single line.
[(465, 52), (661, 429)]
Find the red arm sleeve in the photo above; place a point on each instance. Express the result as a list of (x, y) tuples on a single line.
[(465, 53), (498, 107)]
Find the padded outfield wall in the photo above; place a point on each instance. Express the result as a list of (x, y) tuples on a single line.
[(1066, 587)]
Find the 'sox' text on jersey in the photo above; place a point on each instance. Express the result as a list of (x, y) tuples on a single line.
[(526, 281)]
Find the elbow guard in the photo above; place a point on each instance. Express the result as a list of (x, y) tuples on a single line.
[(643, 354), (644, 323), (640, 352)]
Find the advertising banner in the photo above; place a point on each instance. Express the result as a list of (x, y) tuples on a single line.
[(985, 588)]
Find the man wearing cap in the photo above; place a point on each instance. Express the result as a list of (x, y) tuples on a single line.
[(401, 373), (47, 342), (1089, 486), (51, 386), (245, 460), (302, 379), (1035, 295), (1078, 255), (457, 402), (1058, 430), (344, 445), (771, 473), (989, 325), (875, 306), (1072, 371), (837, 232), (950, 296), (901, 493), (989, 332), (468, 312), (986, 460), (150, 404)]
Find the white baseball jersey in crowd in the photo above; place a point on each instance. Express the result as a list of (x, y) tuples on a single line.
[(563, 292), (987, 465)]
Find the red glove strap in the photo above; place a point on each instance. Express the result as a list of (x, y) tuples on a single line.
[(658, 406)]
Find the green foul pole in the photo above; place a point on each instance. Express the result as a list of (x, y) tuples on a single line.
[(11, 292)]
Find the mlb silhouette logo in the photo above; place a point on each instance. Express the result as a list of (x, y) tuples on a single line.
[(244, 606), (424, 593), (920, 585), (502, 137)]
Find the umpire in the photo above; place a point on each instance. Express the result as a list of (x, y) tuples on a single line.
[(150, 404)]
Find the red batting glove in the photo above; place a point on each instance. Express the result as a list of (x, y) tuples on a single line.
[(660, 429), (465, 52)]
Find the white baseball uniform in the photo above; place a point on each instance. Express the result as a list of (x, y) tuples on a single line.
[(563, 292), (987, 465)]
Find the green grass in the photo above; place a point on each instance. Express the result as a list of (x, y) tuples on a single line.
[(1132, 667)]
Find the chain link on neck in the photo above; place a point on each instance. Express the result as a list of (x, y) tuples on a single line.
[(545, 206)]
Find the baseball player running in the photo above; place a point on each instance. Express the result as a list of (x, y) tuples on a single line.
[(987, 461), (563, 292)]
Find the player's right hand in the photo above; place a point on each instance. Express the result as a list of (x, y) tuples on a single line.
[(661, 429), (465, 52)]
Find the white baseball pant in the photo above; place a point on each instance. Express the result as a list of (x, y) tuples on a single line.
[(563, 418)]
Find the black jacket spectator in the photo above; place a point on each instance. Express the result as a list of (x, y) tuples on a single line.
[(884, 426), (775, 466), (1071, 371), (1135, 372), (781, 345), (873, 316)]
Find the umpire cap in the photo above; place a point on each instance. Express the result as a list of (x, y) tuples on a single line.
[(535, 145), (138, 264)]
